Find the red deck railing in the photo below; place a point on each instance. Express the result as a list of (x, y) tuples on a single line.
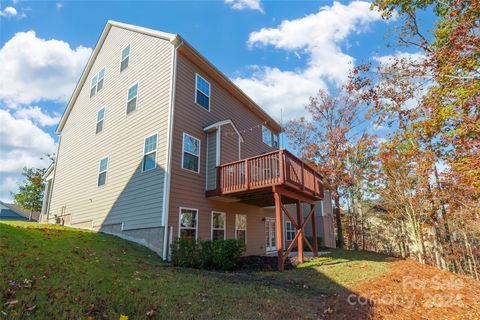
[(275, 168)]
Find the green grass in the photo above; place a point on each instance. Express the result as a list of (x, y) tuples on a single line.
[(63, 273)]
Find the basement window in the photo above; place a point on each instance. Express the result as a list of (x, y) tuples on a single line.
[(218, 225), (241, 227), (188, 223)]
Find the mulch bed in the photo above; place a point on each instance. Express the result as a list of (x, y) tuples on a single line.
[(262, 263)]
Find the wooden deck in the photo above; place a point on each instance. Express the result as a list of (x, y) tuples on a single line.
[(253, 180)]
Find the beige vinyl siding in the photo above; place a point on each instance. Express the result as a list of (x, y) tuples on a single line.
[(188, 189), (129, 197)]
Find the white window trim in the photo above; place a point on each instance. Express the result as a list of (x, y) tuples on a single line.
[(246, 226), (180, 225), (106, 171), (209, 95), (271, 136), (287, 231), (136, 106), (144, 154), (199, 152), (224, 225), (122, 59), (96, 83), (104, 113)]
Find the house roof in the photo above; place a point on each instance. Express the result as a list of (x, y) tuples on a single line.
[(218, 124), (187, 49), (20, 211)]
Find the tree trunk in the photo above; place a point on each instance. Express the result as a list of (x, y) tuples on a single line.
[(30, 216), (338, 219)]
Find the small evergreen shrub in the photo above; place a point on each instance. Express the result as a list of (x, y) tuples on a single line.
[(212, 255)]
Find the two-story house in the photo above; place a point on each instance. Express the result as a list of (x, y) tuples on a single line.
[(156, 143)]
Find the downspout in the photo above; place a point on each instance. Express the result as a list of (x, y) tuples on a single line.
[(176, 43), (55, 162)]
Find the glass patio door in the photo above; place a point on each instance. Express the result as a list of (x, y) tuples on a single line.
[(270, 235)]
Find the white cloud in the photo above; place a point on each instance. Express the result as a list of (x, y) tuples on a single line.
[(36, 115), (36, 69), (8, 12), (22, 144), (318, 37), (245, 4), (400, 55), (59, 5)]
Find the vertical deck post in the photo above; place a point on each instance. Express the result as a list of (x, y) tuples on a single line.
[(299, 229), (279, 228), (314, 232)]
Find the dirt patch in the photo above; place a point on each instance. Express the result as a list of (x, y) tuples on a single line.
[(409, 291)]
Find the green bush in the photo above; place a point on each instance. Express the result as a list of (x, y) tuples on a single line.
[(212, 255), (319, 242)]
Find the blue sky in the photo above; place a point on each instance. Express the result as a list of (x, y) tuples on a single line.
[(279, 52)]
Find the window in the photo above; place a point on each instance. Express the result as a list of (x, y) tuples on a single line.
[(276, 143), (100, 120), (150, 153), (266, 136), (290, 230), (97, 82), (125, 58), (191, 153), (188, 223), (102, 171), (132, 98), (202, 95), (241, 227), (218, 226)]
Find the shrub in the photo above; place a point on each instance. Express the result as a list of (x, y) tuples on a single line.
[(319, 241), (213, 255)]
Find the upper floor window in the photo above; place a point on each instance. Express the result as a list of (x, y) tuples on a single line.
[(266, 136), (202, 95), (100, 120), (289, 230), (276, 143), (132, 98), (102, 171), (188, 223), (191, 153), (97, 82), (218, 226), (150, 153), (125, 58), (241, 227)]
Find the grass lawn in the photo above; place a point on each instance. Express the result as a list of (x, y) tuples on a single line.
[(52, 272)]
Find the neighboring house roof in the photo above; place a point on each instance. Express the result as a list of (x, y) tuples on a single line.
[(178, 41), (9, 210)]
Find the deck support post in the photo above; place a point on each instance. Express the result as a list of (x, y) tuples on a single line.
[(279, 228), (299, 230), (314, 232)]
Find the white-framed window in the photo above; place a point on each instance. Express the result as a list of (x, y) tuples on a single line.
[(276, 143), (150, 153), (289, 231), (100, 120), (218, 225), (266, 135), (202, 92), (125, 58), (191, 153), (102, 171), (188, 223), (97, 82), (132, 98), (241, 227)]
